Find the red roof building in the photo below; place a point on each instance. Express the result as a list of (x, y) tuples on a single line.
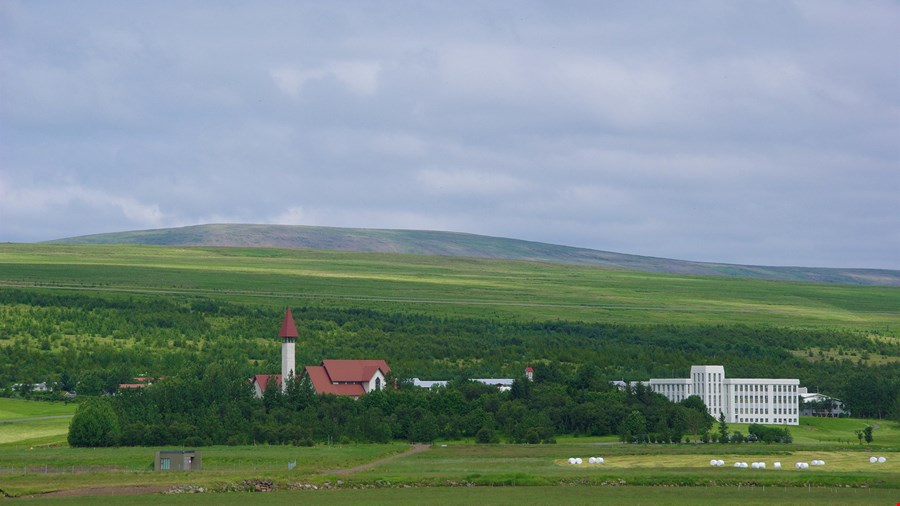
[(339, 377), (261, 381), (348, 377)]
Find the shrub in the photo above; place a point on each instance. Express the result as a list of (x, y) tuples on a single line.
[(94, 424)]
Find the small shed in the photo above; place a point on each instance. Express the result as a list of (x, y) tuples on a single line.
[(177, 460)]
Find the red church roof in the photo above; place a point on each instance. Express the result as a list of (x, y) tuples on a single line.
[(344, 377), (263, 379), (318, 376), (354, 370), (288, 329)]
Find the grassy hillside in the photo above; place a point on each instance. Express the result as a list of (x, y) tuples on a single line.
[(464, 245), (455, 287), (121, 311)]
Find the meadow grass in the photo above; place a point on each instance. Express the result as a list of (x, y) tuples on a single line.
[(132, 466), (516, 496), (11, 409), (453, 464), (447, 286), (683, 465), (33, 432), (843, 431)]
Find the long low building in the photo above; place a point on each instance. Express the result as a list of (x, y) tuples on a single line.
[(742, 400)]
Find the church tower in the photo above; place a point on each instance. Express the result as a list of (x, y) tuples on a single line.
[(288, 335)]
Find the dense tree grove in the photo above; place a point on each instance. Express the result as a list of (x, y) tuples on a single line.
[(214, 405), (95, 342)]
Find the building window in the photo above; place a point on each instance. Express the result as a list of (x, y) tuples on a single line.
[(164, 463), (377, 383)]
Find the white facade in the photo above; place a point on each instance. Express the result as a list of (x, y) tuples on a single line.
[(376, 382), (742, 400), (288, 362)]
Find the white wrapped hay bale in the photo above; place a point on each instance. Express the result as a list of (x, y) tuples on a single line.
[(882, 460), (762, 465), (721, 462), (578, 460), (571, 460), (601, 460), (777, 465), (592, 460), (713, 462), (873, 459)]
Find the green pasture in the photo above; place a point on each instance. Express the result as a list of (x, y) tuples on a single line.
[(11, 409), (506, 467), (130, 466), (515, 290), (839, 430), (516, 496), (688, 465), (28, 423), (34, 432)]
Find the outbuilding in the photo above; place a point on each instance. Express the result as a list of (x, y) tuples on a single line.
[(177, 460)]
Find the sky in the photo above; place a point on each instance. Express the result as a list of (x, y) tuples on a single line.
[(756, 132)]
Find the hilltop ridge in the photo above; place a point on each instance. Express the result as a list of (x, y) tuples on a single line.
[(456, 244)]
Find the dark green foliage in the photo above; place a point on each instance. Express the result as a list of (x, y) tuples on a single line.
[(573, 362), (159, 336), (768, 434), (723, 428), (94, 424), (867, 433)]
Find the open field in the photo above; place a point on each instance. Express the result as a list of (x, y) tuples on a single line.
[(515, 290), (456, 467), (11, 409), (502, 472), (835, 431), (22, 469), (34, 432), (516, 496), (28, 423)]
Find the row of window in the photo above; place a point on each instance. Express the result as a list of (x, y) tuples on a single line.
[(765, 411), (777, 399), (765, 388), (766, 420)]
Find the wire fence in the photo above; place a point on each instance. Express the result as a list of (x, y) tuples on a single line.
[(60, 469)]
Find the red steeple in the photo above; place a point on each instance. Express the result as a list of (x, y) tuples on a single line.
[(288, 329)]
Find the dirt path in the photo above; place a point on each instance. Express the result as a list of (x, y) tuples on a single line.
[(105, 491), (419, 448)]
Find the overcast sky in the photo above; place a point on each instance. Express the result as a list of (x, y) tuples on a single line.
[(742, 132)]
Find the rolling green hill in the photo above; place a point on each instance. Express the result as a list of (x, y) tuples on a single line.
[(446, 286), (465, 245), (124, 310)]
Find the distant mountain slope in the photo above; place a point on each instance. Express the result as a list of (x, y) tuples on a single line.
[(465, 245)]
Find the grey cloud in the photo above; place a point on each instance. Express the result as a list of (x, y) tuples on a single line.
[(764, 133)]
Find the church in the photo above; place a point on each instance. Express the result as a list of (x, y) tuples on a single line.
[(351, 378)]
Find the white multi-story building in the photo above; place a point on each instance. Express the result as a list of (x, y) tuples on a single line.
[(743, 400)]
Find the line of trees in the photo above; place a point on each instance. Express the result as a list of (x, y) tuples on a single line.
[(215, 405), (99, 341)]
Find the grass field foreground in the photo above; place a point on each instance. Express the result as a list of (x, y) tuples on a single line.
[(516, 496), (453, 464)]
